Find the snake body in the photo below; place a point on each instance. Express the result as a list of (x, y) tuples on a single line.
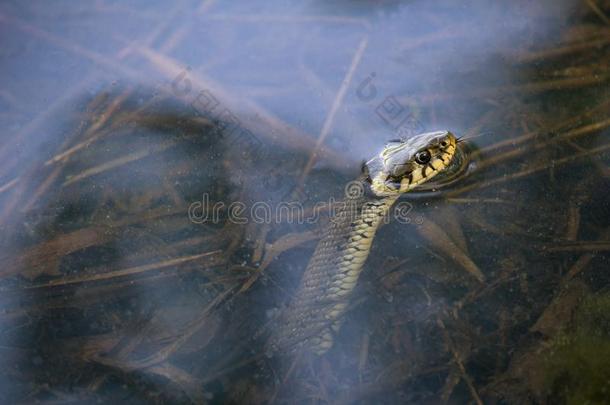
[(315, 313)]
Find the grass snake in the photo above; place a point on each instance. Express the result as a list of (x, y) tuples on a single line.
[(314, 314)]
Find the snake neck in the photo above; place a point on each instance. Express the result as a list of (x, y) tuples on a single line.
[(359, 218), (322, 297)]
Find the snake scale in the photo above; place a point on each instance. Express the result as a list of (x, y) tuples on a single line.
[(315, 312)]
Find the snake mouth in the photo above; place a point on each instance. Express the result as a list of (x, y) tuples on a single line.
[(460, 166)]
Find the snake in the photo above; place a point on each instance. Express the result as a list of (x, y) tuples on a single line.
[(315, 312)]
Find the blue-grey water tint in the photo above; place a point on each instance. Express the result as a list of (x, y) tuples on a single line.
[(283, 58), (284, 74)]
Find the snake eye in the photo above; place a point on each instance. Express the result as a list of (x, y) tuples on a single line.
[(423, 157)]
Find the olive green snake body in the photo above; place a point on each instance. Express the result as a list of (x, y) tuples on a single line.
[(315, 312)]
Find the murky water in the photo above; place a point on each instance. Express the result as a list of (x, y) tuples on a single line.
[(166, 170)]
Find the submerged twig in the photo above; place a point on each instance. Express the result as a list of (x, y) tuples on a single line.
[(337, 102), (458, 361)]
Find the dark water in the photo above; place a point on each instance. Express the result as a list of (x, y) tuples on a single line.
[(122, 121)]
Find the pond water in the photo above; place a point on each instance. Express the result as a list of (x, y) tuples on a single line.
[(166, 172)]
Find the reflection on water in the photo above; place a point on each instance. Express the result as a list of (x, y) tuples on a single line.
[(117, 118)]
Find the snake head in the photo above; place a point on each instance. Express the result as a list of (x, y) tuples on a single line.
[(404, 164)]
